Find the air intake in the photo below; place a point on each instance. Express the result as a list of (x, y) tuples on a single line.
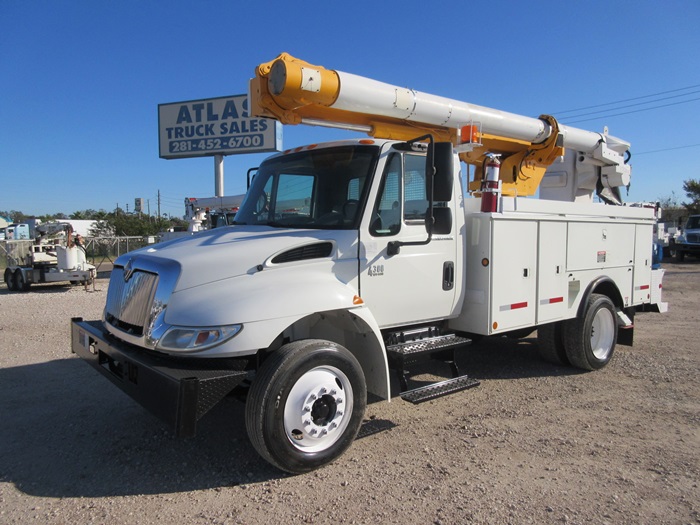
[(310, 251)]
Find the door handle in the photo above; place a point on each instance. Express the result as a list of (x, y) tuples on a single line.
[(448, 275)]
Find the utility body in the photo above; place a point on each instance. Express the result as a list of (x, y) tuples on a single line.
[(350, 262)]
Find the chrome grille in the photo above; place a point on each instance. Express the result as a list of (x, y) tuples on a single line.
[(129, 302)]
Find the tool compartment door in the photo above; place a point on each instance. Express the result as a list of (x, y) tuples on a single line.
[(513, 274), (552, 284), (642, 264)]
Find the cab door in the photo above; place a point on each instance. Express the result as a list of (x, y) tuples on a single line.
[(418, 283)]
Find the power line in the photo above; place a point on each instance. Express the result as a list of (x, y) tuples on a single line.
[(636, 154), (630, 112), (629, 99), (640, 104)]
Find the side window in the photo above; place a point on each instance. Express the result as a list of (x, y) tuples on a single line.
[(294, 193), (354, 189), (416, 202), (386, 217)]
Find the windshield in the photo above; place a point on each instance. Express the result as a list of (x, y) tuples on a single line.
[(693, 223), (323, 188)]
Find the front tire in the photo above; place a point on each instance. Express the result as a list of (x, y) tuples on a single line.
[(306, 405), (590, 341)]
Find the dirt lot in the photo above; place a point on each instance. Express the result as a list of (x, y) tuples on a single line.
[(535, 443)]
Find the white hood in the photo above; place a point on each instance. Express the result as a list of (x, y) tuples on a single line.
[(223, 253)]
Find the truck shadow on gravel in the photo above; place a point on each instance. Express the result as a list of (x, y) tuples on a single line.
[(504, 358), (69, 433)]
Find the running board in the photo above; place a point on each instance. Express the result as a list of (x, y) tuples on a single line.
[(434, 390)]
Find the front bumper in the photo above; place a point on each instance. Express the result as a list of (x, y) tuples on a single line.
[(178, 391), (688, 248)]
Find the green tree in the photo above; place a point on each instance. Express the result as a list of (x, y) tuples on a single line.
[(671, 209), (692, 191)]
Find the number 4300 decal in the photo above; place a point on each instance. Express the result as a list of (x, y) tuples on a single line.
[(376, 270)]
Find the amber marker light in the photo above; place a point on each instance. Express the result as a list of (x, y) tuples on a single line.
[(484, 262), (357, 300)]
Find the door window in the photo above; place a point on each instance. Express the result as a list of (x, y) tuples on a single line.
[(402, 195)]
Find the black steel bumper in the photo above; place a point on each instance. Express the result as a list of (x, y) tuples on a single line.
[(693, 249), (178, 393)]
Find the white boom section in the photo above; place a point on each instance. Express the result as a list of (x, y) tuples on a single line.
[(362, 95), (296, 92)]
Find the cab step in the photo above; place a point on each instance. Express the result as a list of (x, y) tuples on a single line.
[(403, 354), (442, 388)]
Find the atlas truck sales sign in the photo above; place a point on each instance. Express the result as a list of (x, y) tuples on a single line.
[(214, 126)]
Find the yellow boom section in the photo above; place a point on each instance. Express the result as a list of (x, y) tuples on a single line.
[(296, 92)]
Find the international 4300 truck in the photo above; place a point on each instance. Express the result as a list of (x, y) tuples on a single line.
[(351, 261)]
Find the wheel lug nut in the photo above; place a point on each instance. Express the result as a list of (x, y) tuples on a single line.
[(323, 390), (312, 397), (338, 400), (307, 408)]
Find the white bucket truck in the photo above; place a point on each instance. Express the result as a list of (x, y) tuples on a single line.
[(353, 259)]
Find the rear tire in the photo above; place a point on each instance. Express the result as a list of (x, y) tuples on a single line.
[(9, 280), (550, 342), (21, 285), (306, 405), (590, 341)]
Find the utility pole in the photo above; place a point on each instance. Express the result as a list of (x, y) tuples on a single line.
[(158, 204)]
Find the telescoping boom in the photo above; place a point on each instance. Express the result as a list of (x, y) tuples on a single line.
[(296, 92)]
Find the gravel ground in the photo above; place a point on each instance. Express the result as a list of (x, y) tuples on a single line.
[(535, 443)]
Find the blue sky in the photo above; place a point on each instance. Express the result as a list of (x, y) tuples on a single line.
[(81, 81)]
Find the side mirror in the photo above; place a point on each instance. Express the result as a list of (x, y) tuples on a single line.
[(442, 224), (444, 172)]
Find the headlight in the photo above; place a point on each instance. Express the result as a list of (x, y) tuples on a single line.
[(184, 338)]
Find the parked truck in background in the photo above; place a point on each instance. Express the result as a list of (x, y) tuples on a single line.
[(55, 256), (688, 242), (213, 212), (354, 260)]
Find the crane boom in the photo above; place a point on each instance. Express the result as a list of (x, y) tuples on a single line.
[(296, 92)]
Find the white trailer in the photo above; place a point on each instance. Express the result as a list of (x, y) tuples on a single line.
[(353, 260)]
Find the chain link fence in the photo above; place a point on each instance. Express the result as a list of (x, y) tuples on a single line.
[(100, 251)]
